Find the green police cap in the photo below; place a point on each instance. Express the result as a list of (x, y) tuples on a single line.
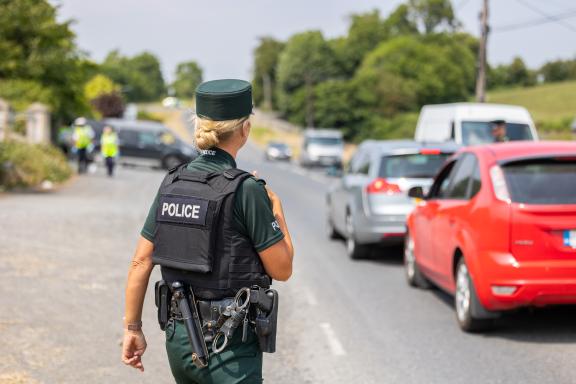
[(224, 99)]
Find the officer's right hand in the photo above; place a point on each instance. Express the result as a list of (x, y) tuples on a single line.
[(133, 347)]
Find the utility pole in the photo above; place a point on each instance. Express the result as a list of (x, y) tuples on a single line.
[(481, 79)]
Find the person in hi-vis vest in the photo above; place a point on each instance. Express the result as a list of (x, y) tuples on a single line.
[(109, 148), (82, 135)]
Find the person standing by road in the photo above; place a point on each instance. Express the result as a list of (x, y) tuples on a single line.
[(220, 237), (109, 148), (82, 136)]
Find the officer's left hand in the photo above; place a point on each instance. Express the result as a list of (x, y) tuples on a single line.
[(133, 347)]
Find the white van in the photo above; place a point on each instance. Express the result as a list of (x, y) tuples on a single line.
[(324, 147), (470, 123)]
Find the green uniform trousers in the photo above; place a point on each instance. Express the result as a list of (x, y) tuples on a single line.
[(239, 363)]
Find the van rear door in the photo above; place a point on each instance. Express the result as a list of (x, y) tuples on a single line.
[(543, 194)]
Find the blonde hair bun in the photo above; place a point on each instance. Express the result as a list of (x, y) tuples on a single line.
[(209, 133)]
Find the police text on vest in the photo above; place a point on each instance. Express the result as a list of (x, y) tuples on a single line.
[(181, 210)]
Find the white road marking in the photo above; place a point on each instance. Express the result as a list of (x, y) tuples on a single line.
[(333, 342)]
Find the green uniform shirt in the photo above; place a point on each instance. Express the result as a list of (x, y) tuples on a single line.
[(253, 215)]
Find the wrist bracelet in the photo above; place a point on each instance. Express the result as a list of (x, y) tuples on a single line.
[(136, 326)]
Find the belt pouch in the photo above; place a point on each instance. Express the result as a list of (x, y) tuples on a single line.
[(163, 297)]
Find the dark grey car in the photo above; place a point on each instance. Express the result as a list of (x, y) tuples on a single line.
[(369, 205), (150, 143)]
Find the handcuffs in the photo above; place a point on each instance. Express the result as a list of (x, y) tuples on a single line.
[(231, 318)]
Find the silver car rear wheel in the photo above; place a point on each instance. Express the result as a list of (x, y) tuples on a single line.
[(331, 232), (354, 250)]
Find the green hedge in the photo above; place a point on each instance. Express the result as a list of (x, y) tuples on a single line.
[(28, 165)]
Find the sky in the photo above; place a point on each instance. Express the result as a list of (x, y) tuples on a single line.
[(221, 34)]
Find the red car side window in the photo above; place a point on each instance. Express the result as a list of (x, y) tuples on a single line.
[(442, 182), (459, 186)]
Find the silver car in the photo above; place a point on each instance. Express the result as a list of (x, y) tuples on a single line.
[(369, 205), (278, 151)]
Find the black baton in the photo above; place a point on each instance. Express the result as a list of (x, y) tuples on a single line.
[(192, 322)]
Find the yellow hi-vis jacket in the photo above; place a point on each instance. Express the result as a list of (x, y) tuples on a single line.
[(82, 137), (109, 144)]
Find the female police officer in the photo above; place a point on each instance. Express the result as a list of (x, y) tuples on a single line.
[(191, 240)]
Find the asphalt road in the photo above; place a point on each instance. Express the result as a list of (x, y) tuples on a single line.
[(63, 262)]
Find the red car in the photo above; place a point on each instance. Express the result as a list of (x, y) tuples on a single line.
[(498, 230)]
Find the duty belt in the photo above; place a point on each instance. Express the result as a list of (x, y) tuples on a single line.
[(215, 321), (220, 318)]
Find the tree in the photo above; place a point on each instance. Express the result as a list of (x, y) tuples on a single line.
[(432, 15), (379, 91), (109, 105), (400, 23), (335, 105), (139, 76), (104, 95), (519, 74), (99, 85), (188, 77), (435, 72), (37, 49), (366, 31), (559, 70), (306, 61), (514, 74), (266, 57)]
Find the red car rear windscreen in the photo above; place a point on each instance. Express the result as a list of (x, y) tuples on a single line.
[(542, 181)]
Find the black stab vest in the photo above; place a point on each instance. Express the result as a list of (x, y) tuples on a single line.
[(195, 240)]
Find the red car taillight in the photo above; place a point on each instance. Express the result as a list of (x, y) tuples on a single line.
[(380, 185)]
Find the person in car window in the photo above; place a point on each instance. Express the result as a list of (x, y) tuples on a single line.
[(499, 131)]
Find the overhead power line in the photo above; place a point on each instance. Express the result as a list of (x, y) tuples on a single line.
[(535, 22), (546, 15)]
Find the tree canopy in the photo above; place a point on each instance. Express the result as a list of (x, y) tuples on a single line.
[(266, 57), (39, 58), (433, 15), (139, 76), (188, 77), (306, 60)]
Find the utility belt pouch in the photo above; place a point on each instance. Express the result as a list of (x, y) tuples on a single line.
[(266, 319), (163, 297)]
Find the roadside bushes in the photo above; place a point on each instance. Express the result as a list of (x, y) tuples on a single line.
[(25, 165)]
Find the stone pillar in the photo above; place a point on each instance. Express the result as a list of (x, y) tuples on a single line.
[(38, 123), (6, 117)]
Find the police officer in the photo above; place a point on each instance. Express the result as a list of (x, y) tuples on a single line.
[(82, 136), (109, 148), (499, 131), (213, 252)]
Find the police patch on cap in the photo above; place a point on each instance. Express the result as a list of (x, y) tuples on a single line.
[(226, 99)]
